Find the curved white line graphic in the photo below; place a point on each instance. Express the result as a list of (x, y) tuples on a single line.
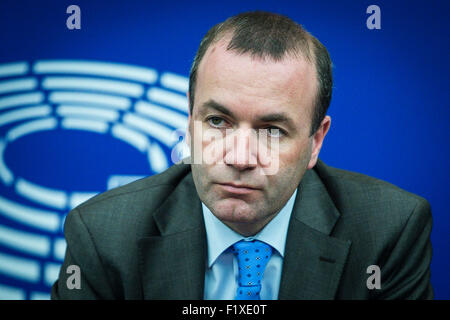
[(87, 112), (31, 127), (59, 248), (5, 174), (84, 124), (21, 99), (51, 272), (46, 220), (18, 85), (150, 127), (175, 82), (85, 83), (108, 69), (117, 180), (37, 295), (25, 241), (24, 269), (168, 98), (50, 197), (130, 136), (25, 113), (11, 293), (120, 103), (13, 69), (77, 198), (169, 117), (157, 158)]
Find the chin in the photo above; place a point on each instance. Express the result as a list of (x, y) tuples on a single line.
[(235, 211)]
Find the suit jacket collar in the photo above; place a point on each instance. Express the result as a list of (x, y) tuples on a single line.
[(173, 264), (314, 260)]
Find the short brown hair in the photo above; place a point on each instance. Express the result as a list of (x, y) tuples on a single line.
[(265, 34)]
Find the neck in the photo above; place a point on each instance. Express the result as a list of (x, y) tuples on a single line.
[(248, 229)]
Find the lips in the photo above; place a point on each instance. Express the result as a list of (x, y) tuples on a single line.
[(237, 185), (237, 188)]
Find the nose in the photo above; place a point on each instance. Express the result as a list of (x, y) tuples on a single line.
[(241, 149)]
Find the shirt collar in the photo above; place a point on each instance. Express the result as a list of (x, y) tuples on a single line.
[(220, 236)]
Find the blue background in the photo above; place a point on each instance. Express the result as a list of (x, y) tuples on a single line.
[(390, 110)]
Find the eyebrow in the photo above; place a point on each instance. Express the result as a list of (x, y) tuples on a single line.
[(280, 117), (211, 104)]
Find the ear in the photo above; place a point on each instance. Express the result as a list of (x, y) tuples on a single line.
[(317, 140)]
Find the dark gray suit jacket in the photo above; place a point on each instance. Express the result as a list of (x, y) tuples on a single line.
[(147, 240)]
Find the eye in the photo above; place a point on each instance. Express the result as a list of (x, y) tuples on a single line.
[(275, 132), (216, 121)]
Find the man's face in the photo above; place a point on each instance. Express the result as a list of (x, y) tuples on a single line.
[(236, 94)]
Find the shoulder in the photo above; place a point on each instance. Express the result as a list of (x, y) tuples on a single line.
[(388, 227), (369, 200), (131, 205), (141, 192), (363, 188)]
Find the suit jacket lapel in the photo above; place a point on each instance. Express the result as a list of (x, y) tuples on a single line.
[(173, 264), (313, 261)]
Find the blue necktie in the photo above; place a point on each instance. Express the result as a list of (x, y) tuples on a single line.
[(252, 257)]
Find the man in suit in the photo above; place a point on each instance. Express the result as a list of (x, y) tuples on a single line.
[(178, 234)]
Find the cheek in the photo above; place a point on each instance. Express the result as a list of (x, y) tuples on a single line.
[(295, 154), (293, 165)]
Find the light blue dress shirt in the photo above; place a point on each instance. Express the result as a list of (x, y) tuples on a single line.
[(222, 266)]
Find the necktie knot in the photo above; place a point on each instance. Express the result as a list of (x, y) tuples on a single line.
[(252, 257)]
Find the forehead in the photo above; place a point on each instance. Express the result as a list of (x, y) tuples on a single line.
[(259, 84)]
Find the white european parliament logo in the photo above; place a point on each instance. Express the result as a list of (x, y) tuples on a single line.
[(136, 105)]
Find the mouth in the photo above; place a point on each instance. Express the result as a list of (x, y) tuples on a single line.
[(237, 188)]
